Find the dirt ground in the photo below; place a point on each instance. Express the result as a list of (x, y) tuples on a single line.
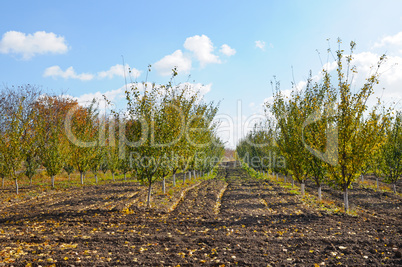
[(230, 220)]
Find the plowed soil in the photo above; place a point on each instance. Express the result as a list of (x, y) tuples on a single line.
[(230, 220)]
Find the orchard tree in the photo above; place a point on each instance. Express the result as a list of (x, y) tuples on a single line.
[(166, 121), (142, 108), (2, 169), (358, 135), (316, 129), (69, 169), (392, 151), (31, 164), (290, 114), (52, 142), (81, 127), (17, 128)]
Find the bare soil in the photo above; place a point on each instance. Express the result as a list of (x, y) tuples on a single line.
[(230, 220)]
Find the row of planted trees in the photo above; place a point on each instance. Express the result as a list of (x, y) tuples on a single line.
[(163, 130), (327, 132)]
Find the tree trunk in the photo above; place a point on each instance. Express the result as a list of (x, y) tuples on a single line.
[(301, 187), (362, 178), (346, 198), (189, 175), (30, 181), (2, 183), (82, 177), (293, 182), (319, 193), (113, 176), (184, 177), (96, 178), (174, 179), (277, 179), (149, 196), (52, 178), (195, 177), (284, 179), (394, 187), (125, 177), (164, 185), (68, 177), (16, 186), (376, 181)]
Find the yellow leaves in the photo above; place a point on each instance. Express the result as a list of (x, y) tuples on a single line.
[(127, 211), (65, 258), (68, 246)]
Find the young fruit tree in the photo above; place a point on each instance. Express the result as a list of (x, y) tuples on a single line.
[(81, 128), (52, 143), (359, 130), (392, 151), (17, 128), (290, 114)]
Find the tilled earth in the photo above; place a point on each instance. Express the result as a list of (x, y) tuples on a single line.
[(231, 220)]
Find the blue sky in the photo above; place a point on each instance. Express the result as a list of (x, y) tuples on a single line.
[(233, 48)]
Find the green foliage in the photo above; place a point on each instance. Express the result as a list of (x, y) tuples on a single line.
[(391, 151)]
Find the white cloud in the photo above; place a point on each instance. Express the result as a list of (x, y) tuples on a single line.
[(118, 70), (197, 87), (117, 96), (113, 96), (227, 50), (29, 45), (390, 78), (390, 40), (56, 71), (391, 43), (177, 59), (330, 66), (260, 45), (202, 48)]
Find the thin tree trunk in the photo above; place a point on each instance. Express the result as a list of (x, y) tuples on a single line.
[(394, 187), (277, 179), (125, 177), (164, 185), (346, 199), (96, 178), (284, 179), (189, 175), (302, 187), (16, 186), (68, 177), (362, 178), (174, 179), (2, 183), (52, 178), (184, 177), (149, 196), (30, 181), (376, 181), (82, 177), (113, 176), (319, 193), (293, 182), (195, 177)]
